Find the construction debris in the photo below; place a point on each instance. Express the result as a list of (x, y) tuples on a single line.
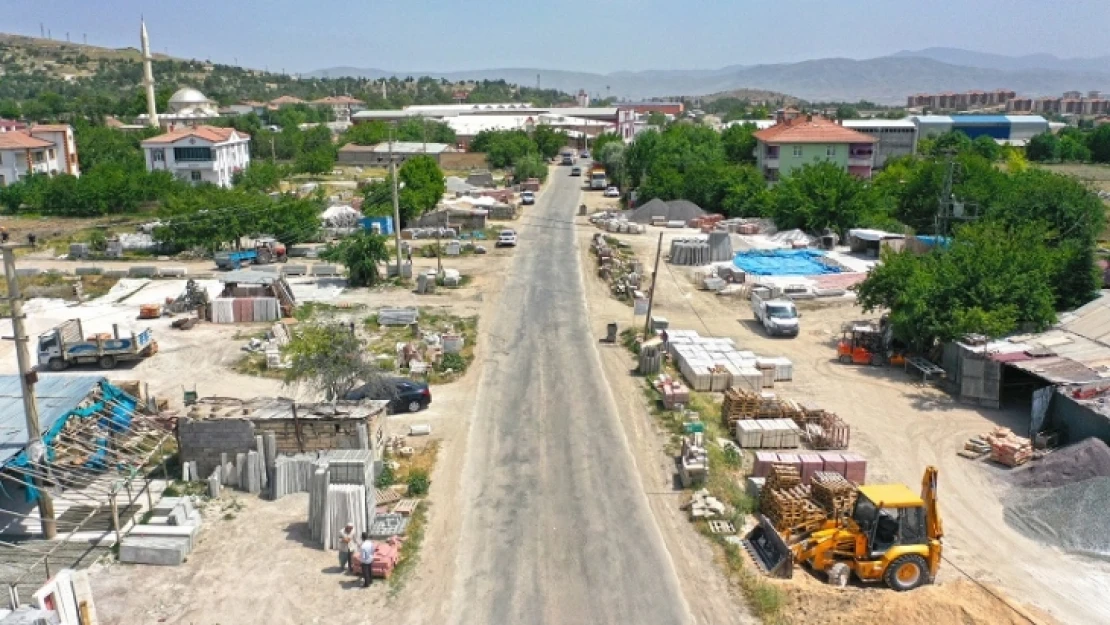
[(704, 506)]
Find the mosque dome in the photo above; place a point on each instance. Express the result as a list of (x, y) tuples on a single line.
[(187, 96)]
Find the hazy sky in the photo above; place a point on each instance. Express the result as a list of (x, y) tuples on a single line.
[(580, 35)]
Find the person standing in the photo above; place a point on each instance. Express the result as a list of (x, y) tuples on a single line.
[(366, 557), (346, 548)]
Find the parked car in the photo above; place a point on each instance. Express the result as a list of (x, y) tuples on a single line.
[(576, 171), (612, 192), (507, 238), (403, 394), (527, 197)]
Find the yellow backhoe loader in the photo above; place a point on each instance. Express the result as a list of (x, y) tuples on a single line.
[(893, 535)]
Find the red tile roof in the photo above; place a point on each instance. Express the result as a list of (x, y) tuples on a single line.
[(286, 99), (50, 127), (814, 129), (208, 133), (20, 140)]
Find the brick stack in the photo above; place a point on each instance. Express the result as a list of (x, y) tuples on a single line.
[(834, 493), (674, 392), (1008, 448)]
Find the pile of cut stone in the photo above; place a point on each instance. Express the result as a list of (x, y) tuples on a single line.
[(167, 537)]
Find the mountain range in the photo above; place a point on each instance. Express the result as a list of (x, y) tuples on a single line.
[(885, 80)]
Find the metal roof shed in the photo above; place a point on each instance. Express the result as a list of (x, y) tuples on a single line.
[(57, 395)]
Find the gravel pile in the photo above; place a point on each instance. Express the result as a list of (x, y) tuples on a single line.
[(1072, 517), (1061, 499), (675, 210), (1085, 460)]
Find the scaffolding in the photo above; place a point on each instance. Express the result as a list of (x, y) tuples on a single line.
[(101, 460)]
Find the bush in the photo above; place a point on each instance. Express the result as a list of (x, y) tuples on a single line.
[(419, 482), (455, 362), (386, 477)]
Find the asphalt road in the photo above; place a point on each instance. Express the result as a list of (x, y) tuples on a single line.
[(556, 527)]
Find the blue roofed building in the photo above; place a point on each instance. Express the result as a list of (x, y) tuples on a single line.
[(1005, 129)]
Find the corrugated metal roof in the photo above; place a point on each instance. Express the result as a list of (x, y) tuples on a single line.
[(1092, 320), (976, 120), (57, 394), (244, 276), (879, 123)]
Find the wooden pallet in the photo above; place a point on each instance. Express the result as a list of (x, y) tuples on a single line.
[(406, 506), (722, 527)]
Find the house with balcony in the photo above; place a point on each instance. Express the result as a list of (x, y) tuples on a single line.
[(44, 149), (205, 154), (797, 140)]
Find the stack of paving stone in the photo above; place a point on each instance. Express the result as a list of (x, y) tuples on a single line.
[(167, 537)]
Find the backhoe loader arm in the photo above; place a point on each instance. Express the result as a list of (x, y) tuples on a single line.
[(934, 529)]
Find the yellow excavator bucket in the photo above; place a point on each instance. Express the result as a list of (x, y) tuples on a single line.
[(769, 549)]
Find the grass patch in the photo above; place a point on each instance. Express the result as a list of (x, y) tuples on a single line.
[(410, 549), (308, 310), (254, 363), (185, 489)]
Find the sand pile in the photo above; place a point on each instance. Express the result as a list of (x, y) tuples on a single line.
[(1082, 461), (1061, 499)]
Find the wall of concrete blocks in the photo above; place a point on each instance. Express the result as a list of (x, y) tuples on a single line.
[(202, 441), (315, 434)]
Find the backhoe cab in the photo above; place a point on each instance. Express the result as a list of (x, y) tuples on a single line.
[(893, 535)]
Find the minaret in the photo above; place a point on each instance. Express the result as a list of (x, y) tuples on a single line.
[(148, 80)]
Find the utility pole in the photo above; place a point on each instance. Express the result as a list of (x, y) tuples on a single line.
[(651, 293), (273, 152), (425, 121), (396, 201), (27, 378)]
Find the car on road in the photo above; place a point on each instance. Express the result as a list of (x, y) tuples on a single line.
[(584, 154), (576, 171), (403, 394), (527, 197), (507, 238), (612, 192)]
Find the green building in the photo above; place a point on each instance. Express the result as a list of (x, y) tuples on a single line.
[(797, 139)]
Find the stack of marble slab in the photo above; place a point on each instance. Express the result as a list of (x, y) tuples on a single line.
[(167, 537), (341, 491)]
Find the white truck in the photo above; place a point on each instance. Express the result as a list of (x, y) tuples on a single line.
[(778, 316), (568, 157), (598, 181), (67, 345)]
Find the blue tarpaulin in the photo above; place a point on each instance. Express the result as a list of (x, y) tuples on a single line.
[(784, 263)]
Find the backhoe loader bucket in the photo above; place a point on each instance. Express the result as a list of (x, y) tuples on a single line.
[(769, 550)]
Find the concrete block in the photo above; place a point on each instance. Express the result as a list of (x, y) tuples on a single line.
[(159, 550), (325, 270), (143, 271), (189, 532), (89, 271), (296, 270), (172, 272), (116, 273), (28, 271), (266, 268)]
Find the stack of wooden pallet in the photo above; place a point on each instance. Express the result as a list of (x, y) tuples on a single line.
[(739, 404), (1008, 448), (834, 493), (831, 432), (786, 501)]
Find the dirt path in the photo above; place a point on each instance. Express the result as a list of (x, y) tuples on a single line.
[(901, 427)]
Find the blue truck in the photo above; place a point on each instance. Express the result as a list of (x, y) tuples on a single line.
[(264, 252), (67, 345)]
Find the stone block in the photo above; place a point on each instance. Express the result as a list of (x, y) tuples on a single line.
[(28, 271), (172, 272), (143, 271), (116, 273), (189, 532), (325, 270), (296, 270), (158, 550), (89, 271)]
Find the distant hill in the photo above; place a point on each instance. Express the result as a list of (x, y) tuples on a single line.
[(971, 58), (753, 95), (886, 80)]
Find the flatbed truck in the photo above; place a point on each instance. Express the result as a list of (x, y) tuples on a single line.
[(66, 345)]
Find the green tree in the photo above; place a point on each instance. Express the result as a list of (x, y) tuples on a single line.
[(330, 360), (1044, 147), (745, 193), (990, 280), (847, 111), (418, 129), (611, 156), (1073, 149), (361, 253), (260, 175), (503, 147), (423, 187), (1099, 144), (530, 166), (318, 161), (987, 148), (655, 118), (954, 141), (549, 141), (821, 195), (368, 133), (740, 143)]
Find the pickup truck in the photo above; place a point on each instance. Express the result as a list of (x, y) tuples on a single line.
[(67, 345), (265, 251), (778, 316)]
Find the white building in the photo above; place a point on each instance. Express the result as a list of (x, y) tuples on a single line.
[(186, 106), (44, 149), (201, 154)]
